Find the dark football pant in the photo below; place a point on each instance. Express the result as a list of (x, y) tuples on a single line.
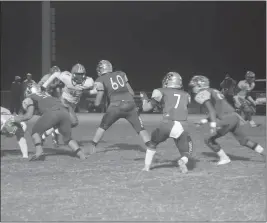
[(71, 109), (54, 118), (175, 130), (122, 109), (229, 123)]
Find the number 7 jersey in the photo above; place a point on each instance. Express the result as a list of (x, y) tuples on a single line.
[(114, 85), (174, 103)]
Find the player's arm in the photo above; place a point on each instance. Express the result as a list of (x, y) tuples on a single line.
[(28, 106), (148, 105), (51, 79), (43, 80), (128, 85), (100, 93), (204, 98)]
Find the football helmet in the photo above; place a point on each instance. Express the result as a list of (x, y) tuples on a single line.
[(250, 76), (172, 80), (198, 83), (54, 69), (78, 73), (103, 66), (32, 89)]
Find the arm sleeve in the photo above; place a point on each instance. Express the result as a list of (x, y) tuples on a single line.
[(51, 78), (157, 95)]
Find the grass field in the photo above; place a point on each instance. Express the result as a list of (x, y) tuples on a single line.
[(105, 187)]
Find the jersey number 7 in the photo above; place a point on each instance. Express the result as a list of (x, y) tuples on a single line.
[(178, 100)]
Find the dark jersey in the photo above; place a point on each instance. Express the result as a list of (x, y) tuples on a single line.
[(42, 102), (114, 85), (217, 99), (174, 103)]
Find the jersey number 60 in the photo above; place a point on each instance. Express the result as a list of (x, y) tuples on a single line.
[(115, 85)]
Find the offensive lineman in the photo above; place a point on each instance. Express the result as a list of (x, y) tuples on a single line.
[(122, 105), (175, 112), (52, 113), (243, 101), (76, 83), (9, 129), (222, 116)]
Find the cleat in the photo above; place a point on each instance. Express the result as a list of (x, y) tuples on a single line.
[(146, 168), (182, 166), (224, 161), (40, 157)]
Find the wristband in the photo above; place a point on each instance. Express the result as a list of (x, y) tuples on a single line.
[(213, 124)]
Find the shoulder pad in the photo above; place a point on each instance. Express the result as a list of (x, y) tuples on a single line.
[(99, 86), (5, 111), (203, 96), (157, 95), (67, 73), (26, 103)]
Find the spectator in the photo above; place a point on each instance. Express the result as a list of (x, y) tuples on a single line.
[(228, 88), (27, 82), (16, 89)]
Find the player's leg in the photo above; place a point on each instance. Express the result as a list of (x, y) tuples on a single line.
[(244, 140), (159, 135), (184, 144), (71, 109), (21, 139), (112, 115), (45, 122), (133, 117), (65, 130), (225, 125)]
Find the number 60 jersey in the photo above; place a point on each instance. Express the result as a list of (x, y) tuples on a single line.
[(114, 85), (174, 102)]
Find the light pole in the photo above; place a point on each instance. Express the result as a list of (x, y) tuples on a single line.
[(46, 37)]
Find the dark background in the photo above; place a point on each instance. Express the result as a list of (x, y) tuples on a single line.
[(144, 39)]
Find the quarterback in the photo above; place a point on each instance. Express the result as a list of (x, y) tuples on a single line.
[(222, 117), (122, 105), (52, 113), (175, 112), (9, 129), (243, 101), (76, 82)]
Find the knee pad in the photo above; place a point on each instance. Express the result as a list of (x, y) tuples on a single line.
[(211, 143)]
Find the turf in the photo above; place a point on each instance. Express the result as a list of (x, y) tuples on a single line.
[(108, 186)]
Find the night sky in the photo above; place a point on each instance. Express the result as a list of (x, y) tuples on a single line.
[(144, 39)]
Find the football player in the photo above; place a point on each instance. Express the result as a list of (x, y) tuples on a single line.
[(175, 112), (52, 113), (76, 82), (9, 129), (53, 89), (243, 101), (122, 104), (222, 118)]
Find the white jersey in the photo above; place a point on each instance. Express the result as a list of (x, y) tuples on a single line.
[(244, 88), (5, 115), (72, 91)]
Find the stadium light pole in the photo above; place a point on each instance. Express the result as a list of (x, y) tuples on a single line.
[(46, 37)]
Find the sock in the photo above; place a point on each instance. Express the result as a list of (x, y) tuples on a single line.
[(56, 131), (49, 131), (98, 135), (185, 159), (259, 149), (222, 154), (23, 147), (149, 156)]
